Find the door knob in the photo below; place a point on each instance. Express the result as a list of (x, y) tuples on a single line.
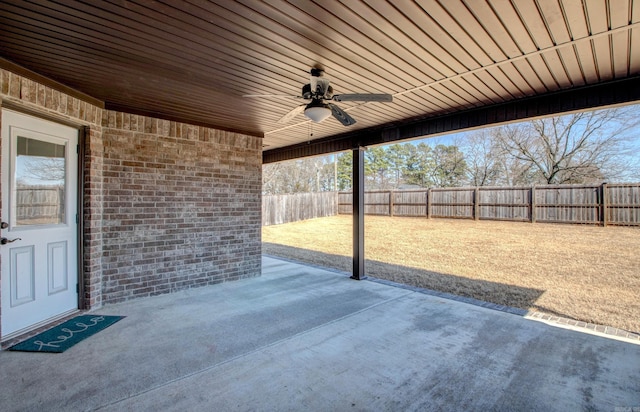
[(4, 225), (4, 240)]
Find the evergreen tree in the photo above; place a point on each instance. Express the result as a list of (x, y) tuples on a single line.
[(419, 162), (345, 162), (376, 166), (397, 156)]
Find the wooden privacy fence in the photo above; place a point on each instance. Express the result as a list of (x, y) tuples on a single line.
[(39, 204), (277, 209), (607, 204)]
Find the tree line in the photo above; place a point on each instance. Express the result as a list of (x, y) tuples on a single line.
[(581, 148)]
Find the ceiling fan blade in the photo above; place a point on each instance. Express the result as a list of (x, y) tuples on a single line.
[(342, 116), (293, 113), (363, 97), (289, 96)]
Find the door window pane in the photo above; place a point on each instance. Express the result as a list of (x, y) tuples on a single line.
[(40, 182)]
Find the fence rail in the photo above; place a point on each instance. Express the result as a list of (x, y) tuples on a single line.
[(606, 204)]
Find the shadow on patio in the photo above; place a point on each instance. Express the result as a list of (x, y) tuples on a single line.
[(457, 286), (303, 338)]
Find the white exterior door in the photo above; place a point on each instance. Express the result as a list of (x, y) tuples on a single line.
[(39, 273)]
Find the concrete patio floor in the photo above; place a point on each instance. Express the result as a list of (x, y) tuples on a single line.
[(302, 338)]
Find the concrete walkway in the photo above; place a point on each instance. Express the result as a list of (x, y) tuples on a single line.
[(301, 338)]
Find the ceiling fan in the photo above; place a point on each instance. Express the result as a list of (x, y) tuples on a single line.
[(320, 92)]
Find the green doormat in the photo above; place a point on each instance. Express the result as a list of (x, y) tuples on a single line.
[(60, 338)]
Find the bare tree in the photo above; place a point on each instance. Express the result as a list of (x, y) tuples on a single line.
[(450, 166), (584, 147), (513, 170), (312, 174), (270, 176), (44, 169), (484, 158)]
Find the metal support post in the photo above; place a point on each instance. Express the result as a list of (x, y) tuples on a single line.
[(358, 214)]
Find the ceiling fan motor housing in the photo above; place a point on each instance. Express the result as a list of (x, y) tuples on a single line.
[(309, 93)]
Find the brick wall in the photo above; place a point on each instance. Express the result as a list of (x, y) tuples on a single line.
[(167, 205), (92, 217), (182, 206)]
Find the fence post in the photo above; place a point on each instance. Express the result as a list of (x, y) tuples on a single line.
[(391, 203), (428, 203), (604, 205), (476, 203), (532, 204)]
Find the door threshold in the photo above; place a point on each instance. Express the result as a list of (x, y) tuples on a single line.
[(25, 333)]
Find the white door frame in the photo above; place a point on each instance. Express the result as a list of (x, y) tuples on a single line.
[(73, 184)]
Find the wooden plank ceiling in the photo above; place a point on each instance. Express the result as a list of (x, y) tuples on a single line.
[(194, 60)]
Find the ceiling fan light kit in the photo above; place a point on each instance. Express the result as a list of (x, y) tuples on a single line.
[(318, 90), (317, 113)]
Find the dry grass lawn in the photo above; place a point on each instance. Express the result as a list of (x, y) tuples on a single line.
[(585, 273)]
